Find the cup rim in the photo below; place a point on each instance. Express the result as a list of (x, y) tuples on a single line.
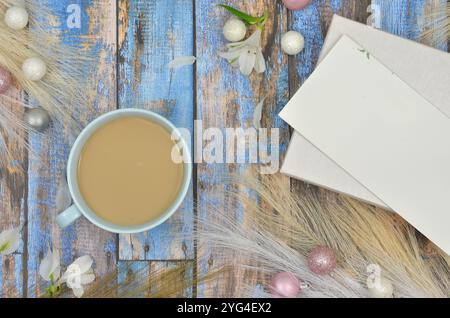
[(72, 167)]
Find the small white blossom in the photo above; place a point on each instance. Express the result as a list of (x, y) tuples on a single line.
[(246, 54), (257, 114), (50, 267), (181, 61), (9, 241), (79, 273)]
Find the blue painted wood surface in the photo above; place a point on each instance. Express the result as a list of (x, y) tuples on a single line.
[(226, 99), (151, 34), (47, 162), (147, 35)]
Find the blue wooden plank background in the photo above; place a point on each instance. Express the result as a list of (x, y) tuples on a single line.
[(151, 34), (134, 41), (47, 161)]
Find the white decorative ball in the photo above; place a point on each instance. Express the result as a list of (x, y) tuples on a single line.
[(382, 288), (38, 118), (292, 42), (16, 17), (234, 30), (34, 68)]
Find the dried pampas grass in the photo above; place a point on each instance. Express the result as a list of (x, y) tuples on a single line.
[(144, 279), (437, 26), (279, 236), (62, 92)]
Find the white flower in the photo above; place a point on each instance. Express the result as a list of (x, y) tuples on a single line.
[(79, 273), (257, 114), (9, 241), (181, 61), (50, 268), (247, 54)]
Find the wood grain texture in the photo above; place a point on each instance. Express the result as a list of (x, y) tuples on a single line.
[(226, 98), (148, 34), (151, 34), (160, 278), (13, 191), (47, 168)]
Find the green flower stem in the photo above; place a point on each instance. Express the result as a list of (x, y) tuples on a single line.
[(251, 20), (54, 289)]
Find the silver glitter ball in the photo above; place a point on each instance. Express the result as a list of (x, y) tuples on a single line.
[(38, 118)]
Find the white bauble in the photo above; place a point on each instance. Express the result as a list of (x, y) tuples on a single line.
[(292, 43), (16, 17), (38, 118), (382, 288), (234, 30), (34, 69)]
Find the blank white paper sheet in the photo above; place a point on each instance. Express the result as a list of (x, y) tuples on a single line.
[(380, 131), (423, 68)]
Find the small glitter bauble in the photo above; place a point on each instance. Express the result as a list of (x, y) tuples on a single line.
[(322, 260), (292, 42), (16, 17), (234, 30), (34, 68), (5, 80), (381, 288), (296, 4), (285, 285), (37, 118)]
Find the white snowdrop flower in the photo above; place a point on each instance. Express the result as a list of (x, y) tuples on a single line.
[(50, 267), (79, 273), (246, 54), (9, 241)]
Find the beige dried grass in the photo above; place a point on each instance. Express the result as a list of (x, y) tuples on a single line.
[(62, 92), (436, 25), (279, 236)]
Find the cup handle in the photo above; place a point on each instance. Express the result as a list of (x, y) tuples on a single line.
[(68, 216)]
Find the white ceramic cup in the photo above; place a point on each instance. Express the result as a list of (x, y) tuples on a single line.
[(80, 208)]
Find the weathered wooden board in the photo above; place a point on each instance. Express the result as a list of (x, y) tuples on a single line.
[(151, 34), (226, 98), (156, 278), (47, 167), (11, 276), (13, 191), (147, 35)]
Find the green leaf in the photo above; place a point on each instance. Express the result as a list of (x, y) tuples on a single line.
[(245, 17), (52, 291), (4, 247)]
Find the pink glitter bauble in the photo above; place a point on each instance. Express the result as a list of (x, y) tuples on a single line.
[(5, 80), (322, 260), (296, 4), (285, 285)]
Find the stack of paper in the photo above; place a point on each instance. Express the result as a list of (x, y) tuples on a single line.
[(373, 121)]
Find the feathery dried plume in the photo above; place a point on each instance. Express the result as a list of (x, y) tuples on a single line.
[(279, 236), (61, 92)]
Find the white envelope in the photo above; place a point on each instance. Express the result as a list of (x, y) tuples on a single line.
[(425, 69), (387, 136)]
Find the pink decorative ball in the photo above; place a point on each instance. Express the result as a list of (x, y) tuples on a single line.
[(285, 285), (296, 4), (322, 260), (5, 80)]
